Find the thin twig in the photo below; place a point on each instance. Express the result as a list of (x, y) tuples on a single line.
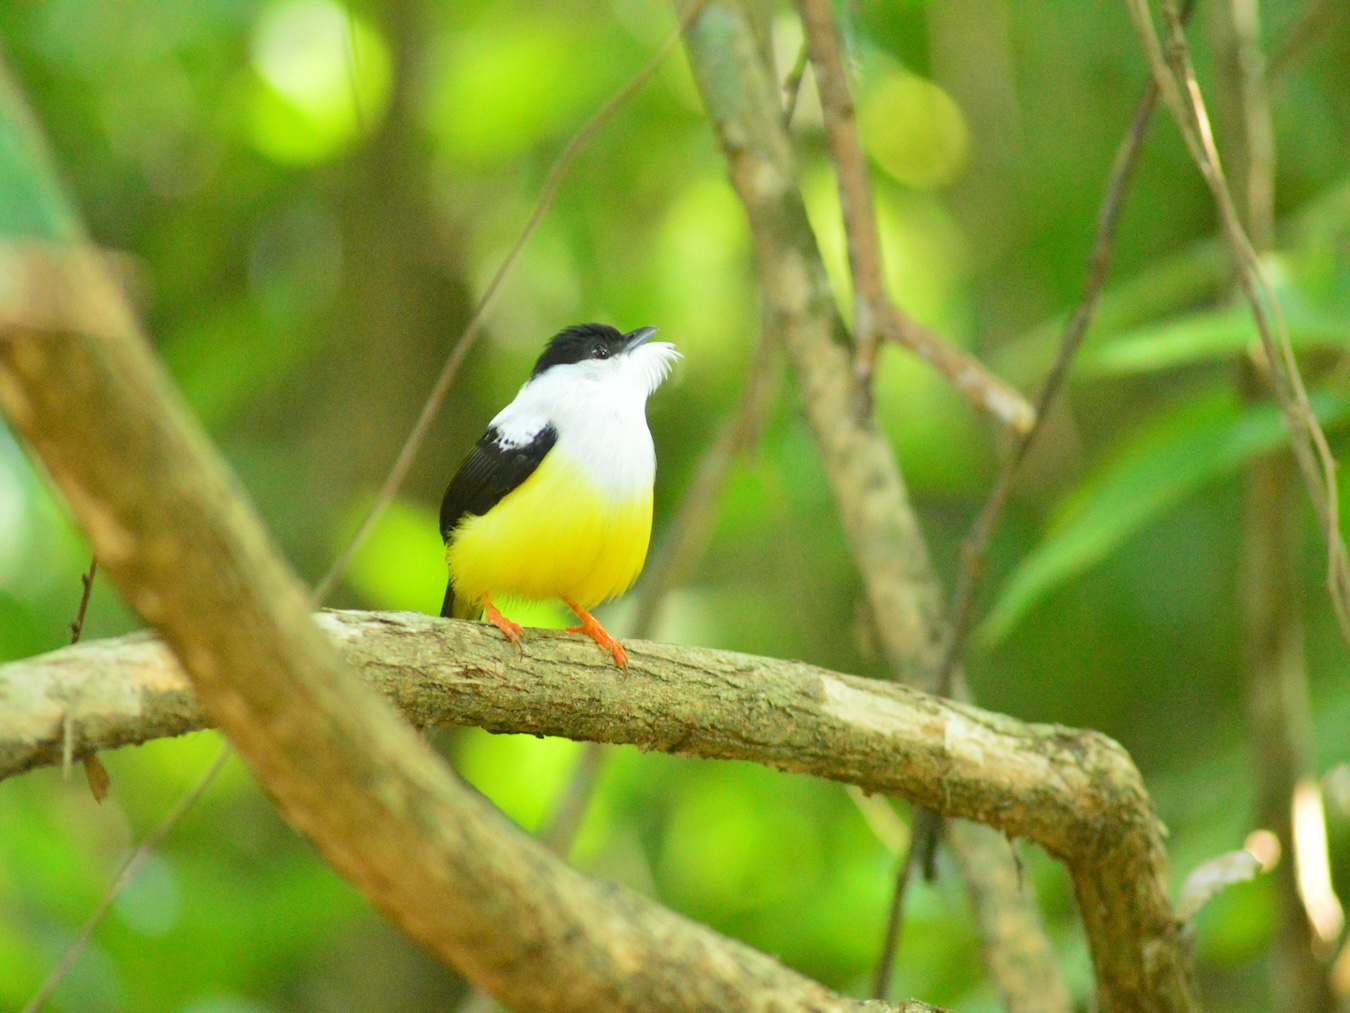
[(975, 546), (1180, 91), (983, 388), (124, 876), (976, 543), (923, 829), (552, 183), (87, 580), (1254, 114), (1277, 688), (850, 165), (874, 316), (94, 770)]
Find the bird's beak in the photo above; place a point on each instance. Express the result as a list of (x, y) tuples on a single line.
[(638, 337)]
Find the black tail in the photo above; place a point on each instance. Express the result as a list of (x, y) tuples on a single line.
[(459, 608)]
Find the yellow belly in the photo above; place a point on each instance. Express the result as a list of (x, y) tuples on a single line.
[(554, 536)]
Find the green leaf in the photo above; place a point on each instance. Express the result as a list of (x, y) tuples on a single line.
[(1202, 337), (1156, 468)]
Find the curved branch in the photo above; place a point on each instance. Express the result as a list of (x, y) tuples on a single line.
[(1075, 793), (1063, 788), (874, 314)]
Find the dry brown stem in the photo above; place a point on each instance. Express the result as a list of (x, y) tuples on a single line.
[(1277, 688), (874, 315), (975, 546), (1175, 77)]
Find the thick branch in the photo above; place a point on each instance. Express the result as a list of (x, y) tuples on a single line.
[(174, 530), (1076, 793), (1064, 789)]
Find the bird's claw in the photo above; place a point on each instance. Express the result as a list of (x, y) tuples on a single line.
[(512, 631), (597, 633)]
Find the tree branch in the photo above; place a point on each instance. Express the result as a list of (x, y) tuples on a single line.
[(870, 498), (1138, 958), (874, 315), (1076, 793), (175, 532), (1045, 782), (1172, 71)]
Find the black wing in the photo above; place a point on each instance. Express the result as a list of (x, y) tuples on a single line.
[(493, 468)]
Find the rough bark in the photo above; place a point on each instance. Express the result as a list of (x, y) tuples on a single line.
[(1061, 787), (1075, 793)]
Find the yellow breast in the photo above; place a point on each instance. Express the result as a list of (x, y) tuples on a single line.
[(555, 536)]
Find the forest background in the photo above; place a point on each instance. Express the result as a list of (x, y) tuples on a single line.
[(315, 197)]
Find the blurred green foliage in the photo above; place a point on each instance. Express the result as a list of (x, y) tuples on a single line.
[(315, 196)]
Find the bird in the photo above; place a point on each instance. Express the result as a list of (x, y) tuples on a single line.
[(554, 501)]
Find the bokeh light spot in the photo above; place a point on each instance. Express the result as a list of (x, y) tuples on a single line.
[(323, 81), (913, 129)]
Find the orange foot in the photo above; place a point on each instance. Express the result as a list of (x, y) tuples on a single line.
[(597, 633), (510, 629)]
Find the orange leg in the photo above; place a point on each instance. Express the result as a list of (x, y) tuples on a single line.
[(512, 630), (597, 633)]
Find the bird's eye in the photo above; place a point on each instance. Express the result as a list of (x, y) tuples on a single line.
[(599, 352)]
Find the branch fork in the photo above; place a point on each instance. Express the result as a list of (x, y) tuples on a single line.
[(875, 316)]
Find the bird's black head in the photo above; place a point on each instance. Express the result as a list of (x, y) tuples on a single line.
[(580, 342)]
